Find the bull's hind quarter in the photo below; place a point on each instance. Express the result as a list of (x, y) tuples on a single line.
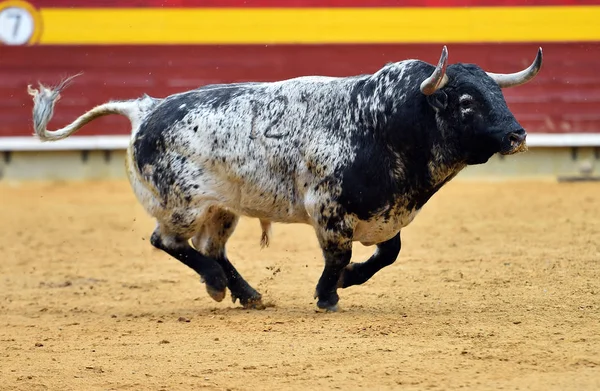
[(355, 157)]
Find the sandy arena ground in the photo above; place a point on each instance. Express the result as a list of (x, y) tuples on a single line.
[(497, 287)]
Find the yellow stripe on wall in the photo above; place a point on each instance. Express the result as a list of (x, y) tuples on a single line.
[(318, 25)]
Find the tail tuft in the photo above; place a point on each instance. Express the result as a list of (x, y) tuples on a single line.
[(44, 100)]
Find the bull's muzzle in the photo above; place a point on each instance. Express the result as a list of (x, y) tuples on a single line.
[(514, 142)]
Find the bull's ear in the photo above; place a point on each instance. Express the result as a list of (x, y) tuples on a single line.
[(438, 100)]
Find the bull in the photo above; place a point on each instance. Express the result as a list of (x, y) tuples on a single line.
[(355, 157)]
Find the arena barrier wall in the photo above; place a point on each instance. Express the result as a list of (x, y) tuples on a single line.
[(127, 48)]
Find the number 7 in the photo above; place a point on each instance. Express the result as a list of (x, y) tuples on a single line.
[(17, 17)]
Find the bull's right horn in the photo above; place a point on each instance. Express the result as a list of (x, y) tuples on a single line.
[(506, 80), (438, 78)]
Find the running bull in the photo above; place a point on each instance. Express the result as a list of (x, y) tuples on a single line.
[(355, 157)]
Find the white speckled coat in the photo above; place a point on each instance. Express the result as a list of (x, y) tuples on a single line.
[(355, 157)]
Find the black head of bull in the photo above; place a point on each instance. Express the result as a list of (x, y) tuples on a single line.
[(470, 108)]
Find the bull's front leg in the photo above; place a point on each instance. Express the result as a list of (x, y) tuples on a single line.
[(337, 256), (359, 273), (335, 232)]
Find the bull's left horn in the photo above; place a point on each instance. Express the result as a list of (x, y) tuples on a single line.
[(506, 80), (438, 78)]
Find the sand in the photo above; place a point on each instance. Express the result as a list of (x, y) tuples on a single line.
[(497, 287)]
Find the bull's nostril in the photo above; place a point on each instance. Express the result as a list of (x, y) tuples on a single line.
[(516, 137)]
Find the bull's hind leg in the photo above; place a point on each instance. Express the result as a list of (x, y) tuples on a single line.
[(359, 273), (177, 246), (176, 225), (211, 241)]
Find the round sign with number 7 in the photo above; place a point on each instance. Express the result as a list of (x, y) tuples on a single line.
[(20, 23)]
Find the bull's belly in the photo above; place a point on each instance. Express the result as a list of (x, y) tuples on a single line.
[(271, 203), (275, 215), (378, 230)]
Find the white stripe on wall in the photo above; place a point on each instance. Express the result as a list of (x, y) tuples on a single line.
[(121, 142)]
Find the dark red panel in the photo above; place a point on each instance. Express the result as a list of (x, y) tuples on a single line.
[(305, 3), (565, 97)]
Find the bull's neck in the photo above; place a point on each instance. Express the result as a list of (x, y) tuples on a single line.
[(438, 162), (445, 158), (423, 155)]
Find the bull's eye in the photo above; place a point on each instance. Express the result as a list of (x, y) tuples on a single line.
[(466, 104)]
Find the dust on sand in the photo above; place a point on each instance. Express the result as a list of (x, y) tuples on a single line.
[(497, 285)]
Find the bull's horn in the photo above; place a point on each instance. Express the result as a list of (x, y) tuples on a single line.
[(438, 78), (506, 80)]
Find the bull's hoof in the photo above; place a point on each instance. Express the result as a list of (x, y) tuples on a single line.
[(248, 296), (326, 307), (329, 304), (216, 294), (250, 301), (216, 288), (216, 283), (254, 304)]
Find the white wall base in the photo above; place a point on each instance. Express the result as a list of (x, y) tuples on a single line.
[(31, 143), (543, 162)]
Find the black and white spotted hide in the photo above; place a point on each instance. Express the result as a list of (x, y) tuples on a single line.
[(355, 157)]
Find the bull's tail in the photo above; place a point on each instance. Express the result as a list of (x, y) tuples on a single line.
[(43, 110)]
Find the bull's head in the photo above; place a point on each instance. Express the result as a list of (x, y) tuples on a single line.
[(470, 107)]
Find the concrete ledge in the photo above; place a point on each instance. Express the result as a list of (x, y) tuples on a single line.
[(537, 163), (62, 165), (575, 163)]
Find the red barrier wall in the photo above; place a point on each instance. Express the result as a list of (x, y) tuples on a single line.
[(565, 97)]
